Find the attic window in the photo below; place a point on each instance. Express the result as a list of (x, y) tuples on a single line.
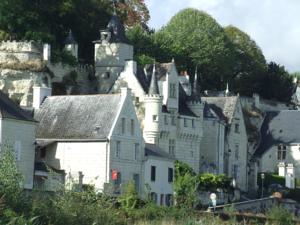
[(281, 152), (106, 75)]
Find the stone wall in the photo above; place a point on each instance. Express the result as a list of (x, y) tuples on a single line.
[(20, 51)]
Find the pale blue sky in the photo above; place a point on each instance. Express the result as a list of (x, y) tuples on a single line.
[(273, 24)]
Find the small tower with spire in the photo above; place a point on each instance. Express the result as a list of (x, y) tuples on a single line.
[(71, 44), (153, 107), (194, 101), (112, 51)]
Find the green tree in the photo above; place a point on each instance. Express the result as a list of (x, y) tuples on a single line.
[(250, 64), (276, 84), (194, 38), (10, 178), (185, 185)]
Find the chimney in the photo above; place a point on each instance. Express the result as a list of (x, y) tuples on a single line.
[(39, 94), (130, 66), (46, 52), (125, 91)]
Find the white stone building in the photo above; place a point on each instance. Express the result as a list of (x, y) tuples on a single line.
[(159, 175), (280, 143), (229, 110), (17, 131), (97, 137)]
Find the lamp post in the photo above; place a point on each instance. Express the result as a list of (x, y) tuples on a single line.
[(262, 184)]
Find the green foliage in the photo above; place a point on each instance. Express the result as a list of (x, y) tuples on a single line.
[(250, 63), (64, 56), (280, 216), (185, 185), (182, 169), (210, 182), (4, 36), (10, 178), (280, 83), (270, 178), (50, 21), (194, 38), (129, 197)]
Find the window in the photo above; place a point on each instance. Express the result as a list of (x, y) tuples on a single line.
[(162, 196), (132, 126), (106, 75), (172, 91), (43, 153), (185, 122), (169, 199), (235, 171), (236, 128), (193, 123), (123, 125), (136, 151), (136, 179), (153, 173), (118, 149), (236, 153), (173, 121), (18, 150), (166, 119), (281, 152), (170, 175), (155, 118), (153, 197), (172, 147)]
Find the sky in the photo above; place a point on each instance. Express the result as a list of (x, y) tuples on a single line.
[(273, 24)]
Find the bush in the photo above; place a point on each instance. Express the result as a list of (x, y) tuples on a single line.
[(270, 178), (280, 216)]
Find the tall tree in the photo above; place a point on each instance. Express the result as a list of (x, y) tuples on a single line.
[(195, 38), (277, 84), (250, 63)]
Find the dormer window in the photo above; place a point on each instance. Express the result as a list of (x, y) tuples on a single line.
[(281, 152), (105, 36), (106, 75), (172, 91)]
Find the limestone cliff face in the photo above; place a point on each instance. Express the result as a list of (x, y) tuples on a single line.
[(22, 66), (18, 84)]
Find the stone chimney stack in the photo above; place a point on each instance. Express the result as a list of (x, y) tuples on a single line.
[(39, 94)]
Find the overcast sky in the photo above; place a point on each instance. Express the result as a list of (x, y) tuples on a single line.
[(273, 24)]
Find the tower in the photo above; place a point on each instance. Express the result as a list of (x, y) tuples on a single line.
[(194, 101), (111, 53), (71, 45), (153, 106)]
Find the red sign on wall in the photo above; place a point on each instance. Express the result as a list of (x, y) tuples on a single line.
[(114, 175)]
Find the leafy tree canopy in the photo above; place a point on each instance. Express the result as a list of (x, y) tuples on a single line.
[(195, 38), (50, 21), (250, 63)]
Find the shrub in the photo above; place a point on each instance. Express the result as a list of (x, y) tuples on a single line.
[(280, 216)]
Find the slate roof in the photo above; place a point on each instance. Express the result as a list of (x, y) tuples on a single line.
[(208, 112), (8, 109), (154, 150), (281, 127), (224, 107), (77, 117), (117, 30), (144, 77), (70, 38)]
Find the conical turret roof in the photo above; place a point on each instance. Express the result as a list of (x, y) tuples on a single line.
[(70, 38), (117, 30), (153, 89)]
